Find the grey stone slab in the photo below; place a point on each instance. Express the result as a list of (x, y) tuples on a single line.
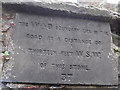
[(60, 50)]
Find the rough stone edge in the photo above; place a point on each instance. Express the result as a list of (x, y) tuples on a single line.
[(63, 9), (0, 39)]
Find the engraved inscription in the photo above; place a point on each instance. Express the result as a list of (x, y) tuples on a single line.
[(34, 36), (66, 77), (75, 40), (58, 66), (61, 50), (66, 53), (50, 26), (46, 52), (42, 65), (79, 67)]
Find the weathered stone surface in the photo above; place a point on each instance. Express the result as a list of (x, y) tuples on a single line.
[(61, 50), (63, 9), (1, 63)]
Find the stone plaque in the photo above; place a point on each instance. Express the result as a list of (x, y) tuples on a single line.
[(60, 50)]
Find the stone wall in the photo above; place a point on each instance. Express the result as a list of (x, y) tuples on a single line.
[(60, 86)]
